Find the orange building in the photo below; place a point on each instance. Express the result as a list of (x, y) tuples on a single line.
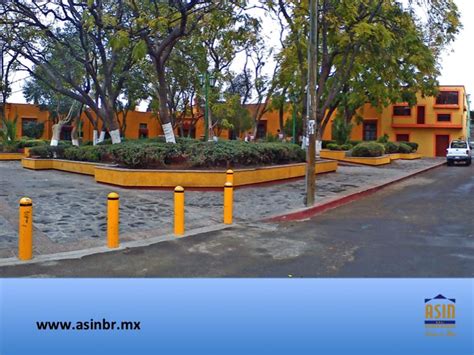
[(431, 123), (138, 124)]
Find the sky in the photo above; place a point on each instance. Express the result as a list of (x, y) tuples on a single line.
[(457, 61), (456, 68)]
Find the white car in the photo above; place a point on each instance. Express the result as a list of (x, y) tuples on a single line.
[(459, 151)]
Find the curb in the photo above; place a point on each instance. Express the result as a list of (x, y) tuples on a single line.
[(304, 213), (78, 254)]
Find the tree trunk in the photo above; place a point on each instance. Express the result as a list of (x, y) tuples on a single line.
[(56, 134), (281, 112), (75, 132), (111, 124), (165, 118)]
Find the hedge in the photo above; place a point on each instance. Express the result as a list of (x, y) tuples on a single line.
[(334, 146), (412, 145), (368, 149), (404, 148), (391, 148), (186, 152)]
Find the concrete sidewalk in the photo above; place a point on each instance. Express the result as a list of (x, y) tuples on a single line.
[(69, 209)]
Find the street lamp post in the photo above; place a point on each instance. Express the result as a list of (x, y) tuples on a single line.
[(206, 81)]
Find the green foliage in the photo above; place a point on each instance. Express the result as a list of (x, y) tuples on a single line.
[(186, 153), (230, 114), (391, 148), (412, 145), (8, 130), (288, 127), (87, 153), (341, 130), (404, 148), (334, 146), (271, 138), (33, 129), (368, 149), (48, 152), (376, 52), (325, 143), (383, 139), (28, 143)]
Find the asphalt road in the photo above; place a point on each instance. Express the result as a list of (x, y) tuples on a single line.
[(422, 227)]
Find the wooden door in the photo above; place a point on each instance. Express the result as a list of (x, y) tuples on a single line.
[(442, 143)]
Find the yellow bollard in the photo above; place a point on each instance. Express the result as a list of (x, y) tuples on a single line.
[(228, 202), (113, 220), (179, 210), (25, 229), (229, 176)]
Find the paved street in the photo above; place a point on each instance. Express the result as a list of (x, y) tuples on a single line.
[(69, 209), (422, 227)]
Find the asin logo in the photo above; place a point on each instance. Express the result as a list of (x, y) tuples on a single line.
[(440, 314)]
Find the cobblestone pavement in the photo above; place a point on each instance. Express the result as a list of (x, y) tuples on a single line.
[(70, 209)]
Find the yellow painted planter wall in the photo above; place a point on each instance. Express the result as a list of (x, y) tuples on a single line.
[(204, 178), (37, 164), (11, 156), (375, 161), (410, 156), (395, 156), (85, 168), (171, 178), (332, 154), (63, 165), (341, 156)]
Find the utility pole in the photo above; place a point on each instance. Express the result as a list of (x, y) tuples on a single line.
[(312, 109)]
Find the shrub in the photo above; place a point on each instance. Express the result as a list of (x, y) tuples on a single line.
[(347, 146), (391, 148), (138, 156), (87, 153), (29, 143), (334, 146), (9, 147), (192, 153), (404, 148), (354, 143), (326, 143), (47, 152), (33, 129), (383, 139), (412, 145), (270, 138), (368, 149), (341, 130)]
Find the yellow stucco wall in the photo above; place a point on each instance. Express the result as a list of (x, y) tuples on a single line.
[(423, 134)]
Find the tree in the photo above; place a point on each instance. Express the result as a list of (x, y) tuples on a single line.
[(160, 26), (373, 51), (62, 109), (232, 115), (89, 36)]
